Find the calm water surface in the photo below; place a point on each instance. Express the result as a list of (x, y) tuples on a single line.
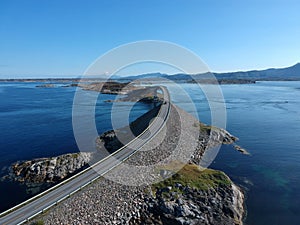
[(266, 118), (36, 122)]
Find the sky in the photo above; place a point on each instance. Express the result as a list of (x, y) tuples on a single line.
[(58, 38)]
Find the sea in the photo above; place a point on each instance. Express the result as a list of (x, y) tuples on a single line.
[(265, 116)]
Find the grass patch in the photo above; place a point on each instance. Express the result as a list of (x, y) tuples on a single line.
[(205, 128), (39, 222), (193, 176)]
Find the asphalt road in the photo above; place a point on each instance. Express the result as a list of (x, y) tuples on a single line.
[(29, 210)]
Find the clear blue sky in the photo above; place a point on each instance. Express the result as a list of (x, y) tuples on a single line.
[(59, 38)]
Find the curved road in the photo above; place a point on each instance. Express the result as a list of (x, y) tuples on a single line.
[(24, 212)]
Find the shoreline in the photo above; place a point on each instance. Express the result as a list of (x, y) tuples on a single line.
[(147, 213), (73, 82)]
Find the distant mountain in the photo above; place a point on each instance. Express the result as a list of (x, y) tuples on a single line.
[(289, 73), (146, 76)]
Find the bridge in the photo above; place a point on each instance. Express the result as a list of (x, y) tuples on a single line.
[(27, 210)]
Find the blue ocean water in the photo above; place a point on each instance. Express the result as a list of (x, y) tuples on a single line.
[(266, 118), (36, 122)]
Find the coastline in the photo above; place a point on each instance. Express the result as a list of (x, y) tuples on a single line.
[(245, 171), (139, 207)]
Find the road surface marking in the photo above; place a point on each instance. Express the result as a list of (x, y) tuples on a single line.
[(13, 219)]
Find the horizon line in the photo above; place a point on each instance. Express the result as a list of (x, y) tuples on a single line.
[(124, 76)]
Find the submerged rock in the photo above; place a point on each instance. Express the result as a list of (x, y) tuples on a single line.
[(241, 150), (46, 86)]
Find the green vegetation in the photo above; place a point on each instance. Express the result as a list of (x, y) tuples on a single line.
[(193, 176), (75, 155), (205, 128), (39, 222)]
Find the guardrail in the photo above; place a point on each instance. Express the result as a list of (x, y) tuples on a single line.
[(161, 114)]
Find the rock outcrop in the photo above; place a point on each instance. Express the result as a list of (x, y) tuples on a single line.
[(130, 92), (108, 87), (209, 137), (194, 196), (50, 169)]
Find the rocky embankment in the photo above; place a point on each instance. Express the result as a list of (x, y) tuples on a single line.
[(210, 137), (192, 195), (114, 139), (222, 205), (49, 169)]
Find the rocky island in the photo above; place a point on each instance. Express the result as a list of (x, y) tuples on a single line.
[(128, 92), (49, 169), (45, 86)]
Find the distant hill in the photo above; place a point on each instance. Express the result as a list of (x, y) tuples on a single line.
[(289, 73), (147, 76)]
